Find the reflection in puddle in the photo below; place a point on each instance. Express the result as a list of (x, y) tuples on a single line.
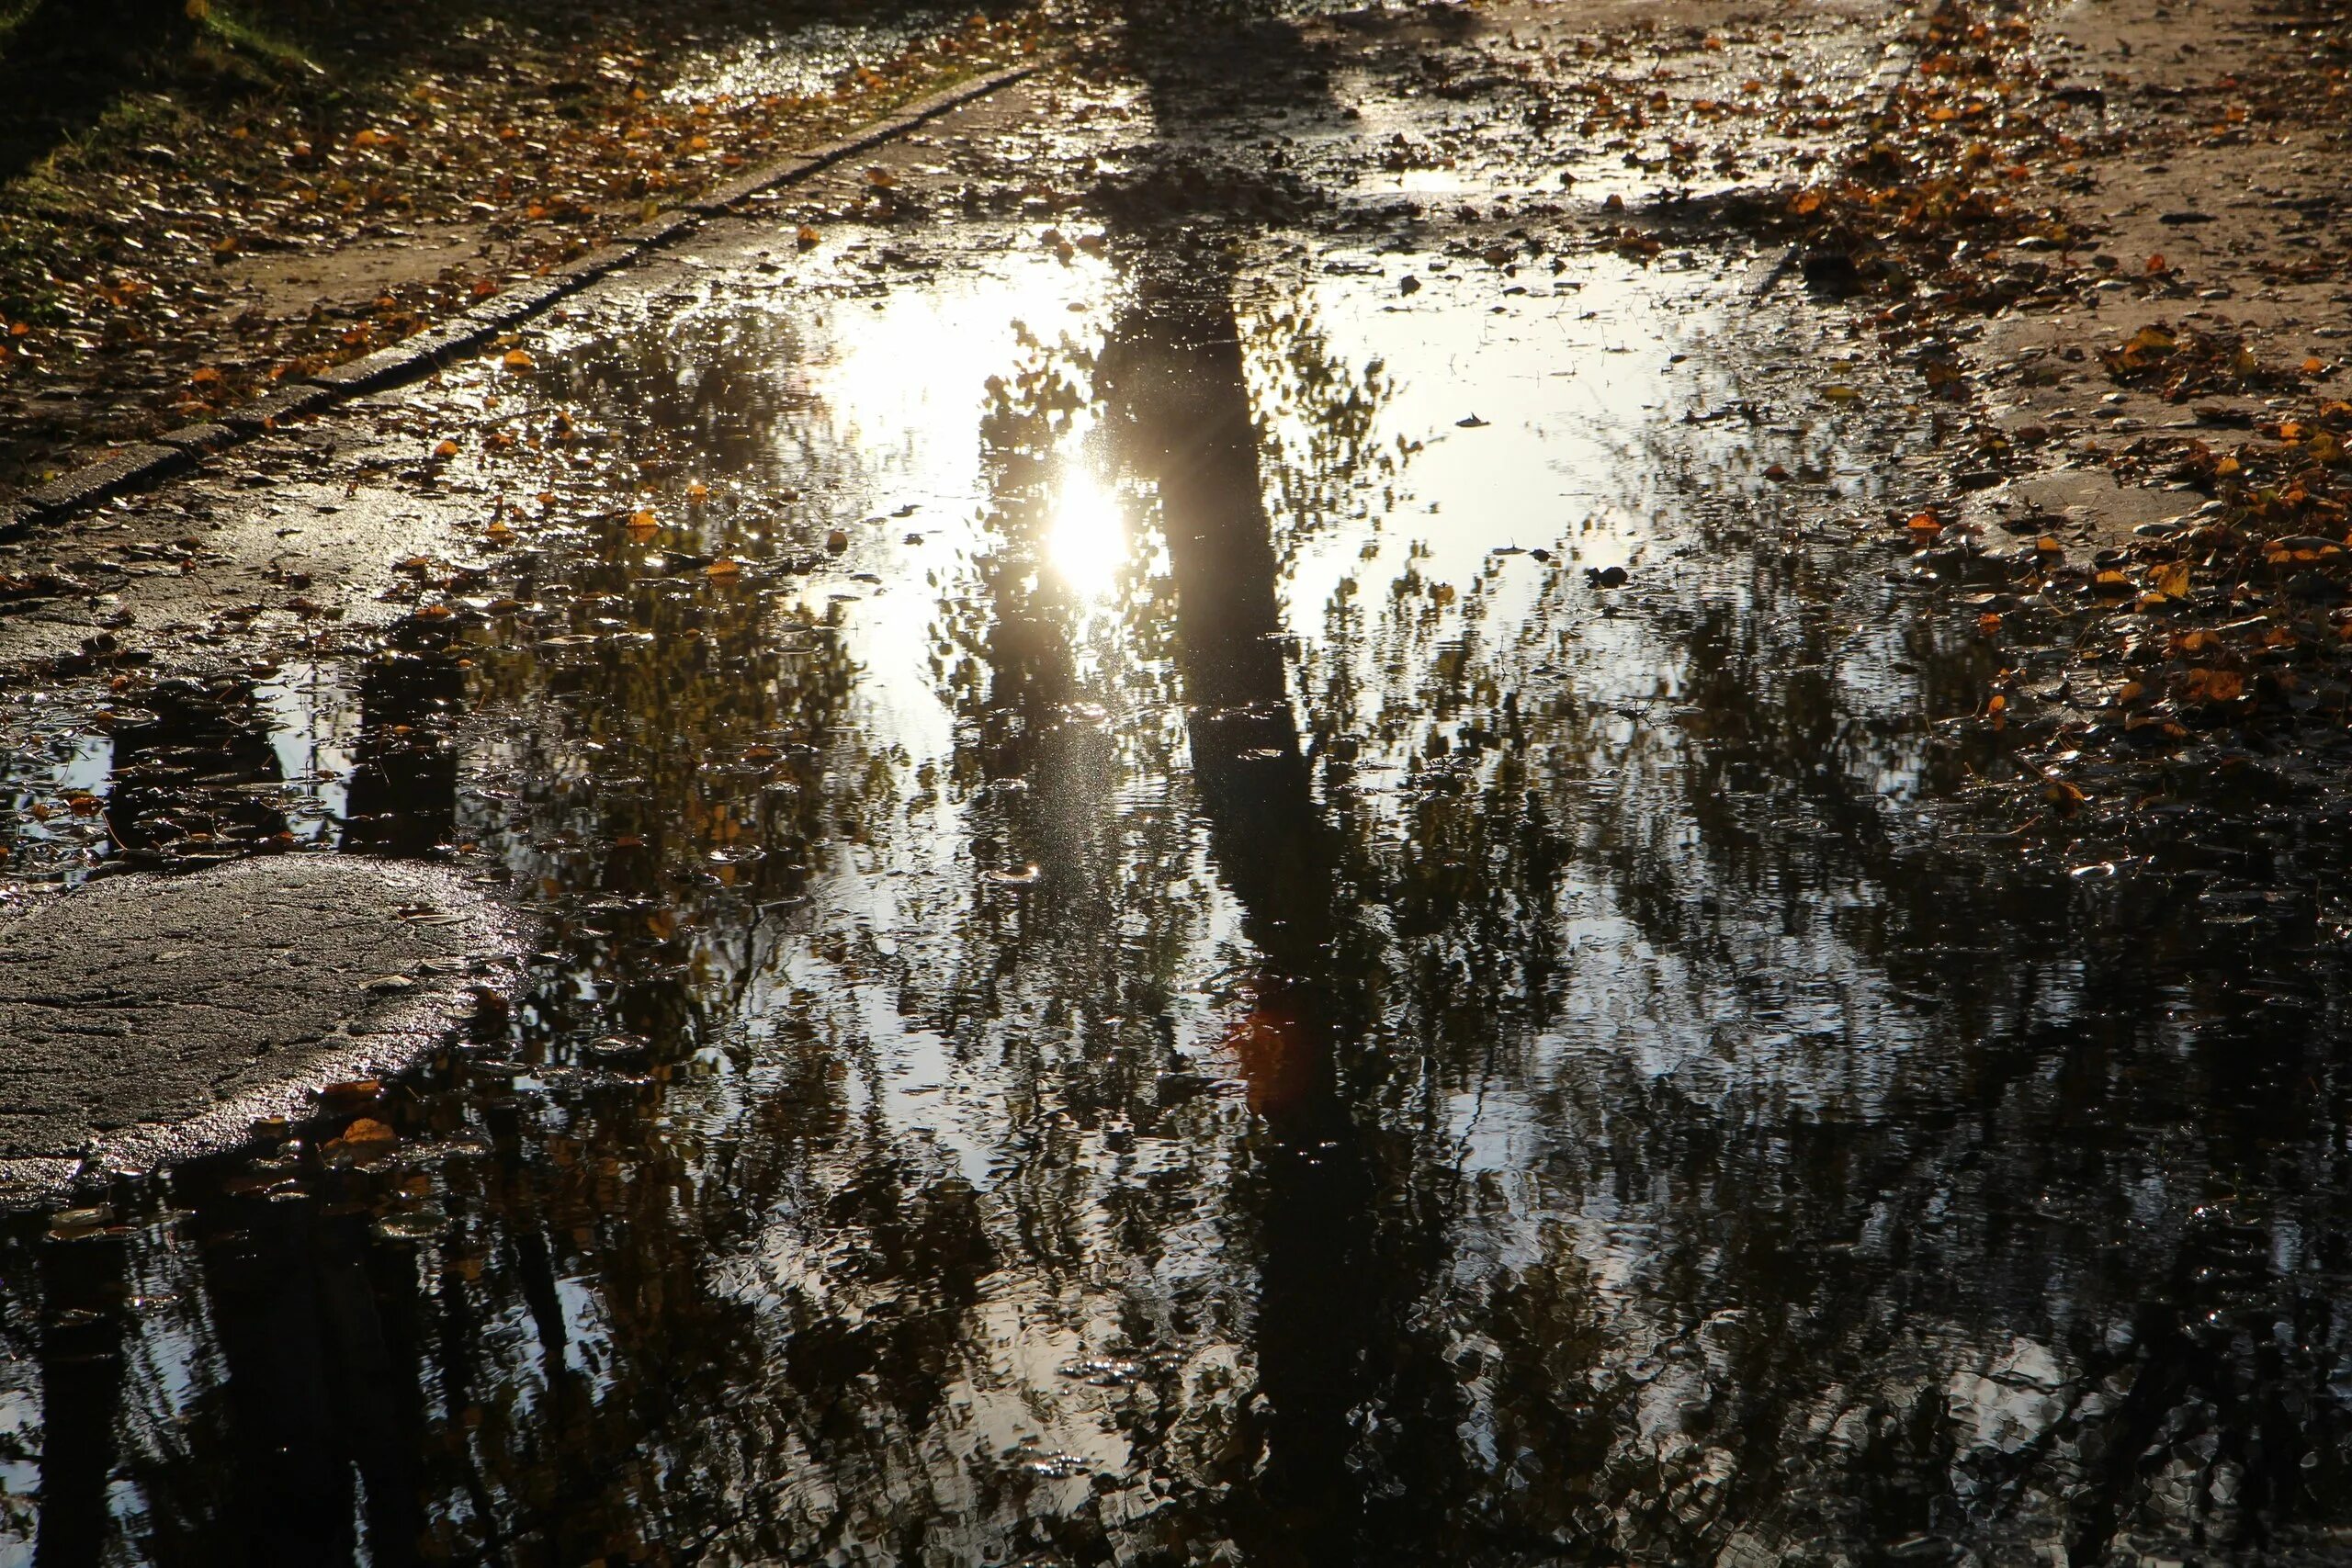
[(1086, 542), (1142, 966)]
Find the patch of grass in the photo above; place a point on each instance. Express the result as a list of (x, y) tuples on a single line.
[(242, 35)]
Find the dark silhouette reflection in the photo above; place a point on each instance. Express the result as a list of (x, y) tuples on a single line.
[(317, 1336), (191, 777), (402, 797), (1180, 417), (84, 1298)]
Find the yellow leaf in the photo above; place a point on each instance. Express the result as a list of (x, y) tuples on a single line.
[(1839, 394), (641, 525), (517, 359), (722, 569), (698, 492), (2171, 581)]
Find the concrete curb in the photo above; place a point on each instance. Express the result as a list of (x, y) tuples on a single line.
[(136, 466), (145, 464)]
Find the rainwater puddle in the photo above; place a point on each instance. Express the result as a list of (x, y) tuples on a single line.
[(1204, 909), (798, 60)]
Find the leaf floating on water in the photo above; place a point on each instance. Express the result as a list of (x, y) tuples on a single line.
[(641, 525), (722, 569), (81, 1221), (368, 1130), (1472, 423), (2214, 686), (422, 1225), (807, 238), (517, 359), (1839, 394), (446, 449)]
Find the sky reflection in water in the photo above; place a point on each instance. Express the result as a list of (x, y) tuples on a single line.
[(1186, 992)]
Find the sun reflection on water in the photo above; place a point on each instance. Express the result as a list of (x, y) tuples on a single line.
[(1087, 542)]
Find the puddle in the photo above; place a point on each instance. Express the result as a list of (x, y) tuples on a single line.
[(1152, 957), (799, 59)]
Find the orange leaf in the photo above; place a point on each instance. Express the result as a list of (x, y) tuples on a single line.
[(2215, 685)]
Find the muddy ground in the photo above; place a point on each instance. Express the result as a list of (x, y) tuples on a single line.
[(1510, 784)]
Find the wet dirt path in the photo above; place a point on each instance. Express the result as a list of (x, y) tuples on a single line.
[(1245, 863)]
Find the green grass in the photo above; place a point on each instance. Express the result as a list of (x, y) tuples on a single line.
[(242, 35)]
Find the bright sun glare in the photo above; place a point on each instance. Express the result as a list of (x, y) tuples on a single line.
[(1087, 542)]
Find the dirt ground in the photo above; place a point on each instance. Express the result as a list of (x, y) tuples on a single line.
[(276, 188)]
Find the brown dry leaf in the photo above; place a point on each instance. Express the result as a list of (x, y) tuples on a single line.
[(722, 569), (368, 1130), (698, 492), (517, 359), (807, 237), (446, 449), (2214, 685), (642, 524)]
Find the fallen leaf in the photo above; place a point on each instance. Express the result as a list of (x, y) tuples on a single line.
[(2214, 685)]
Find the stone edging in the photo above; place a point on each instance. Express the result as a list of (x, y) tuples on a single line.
[(144, 464)]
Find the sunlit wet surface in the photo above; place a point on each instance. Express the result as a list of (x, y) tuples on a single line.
[(1148, 964)]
